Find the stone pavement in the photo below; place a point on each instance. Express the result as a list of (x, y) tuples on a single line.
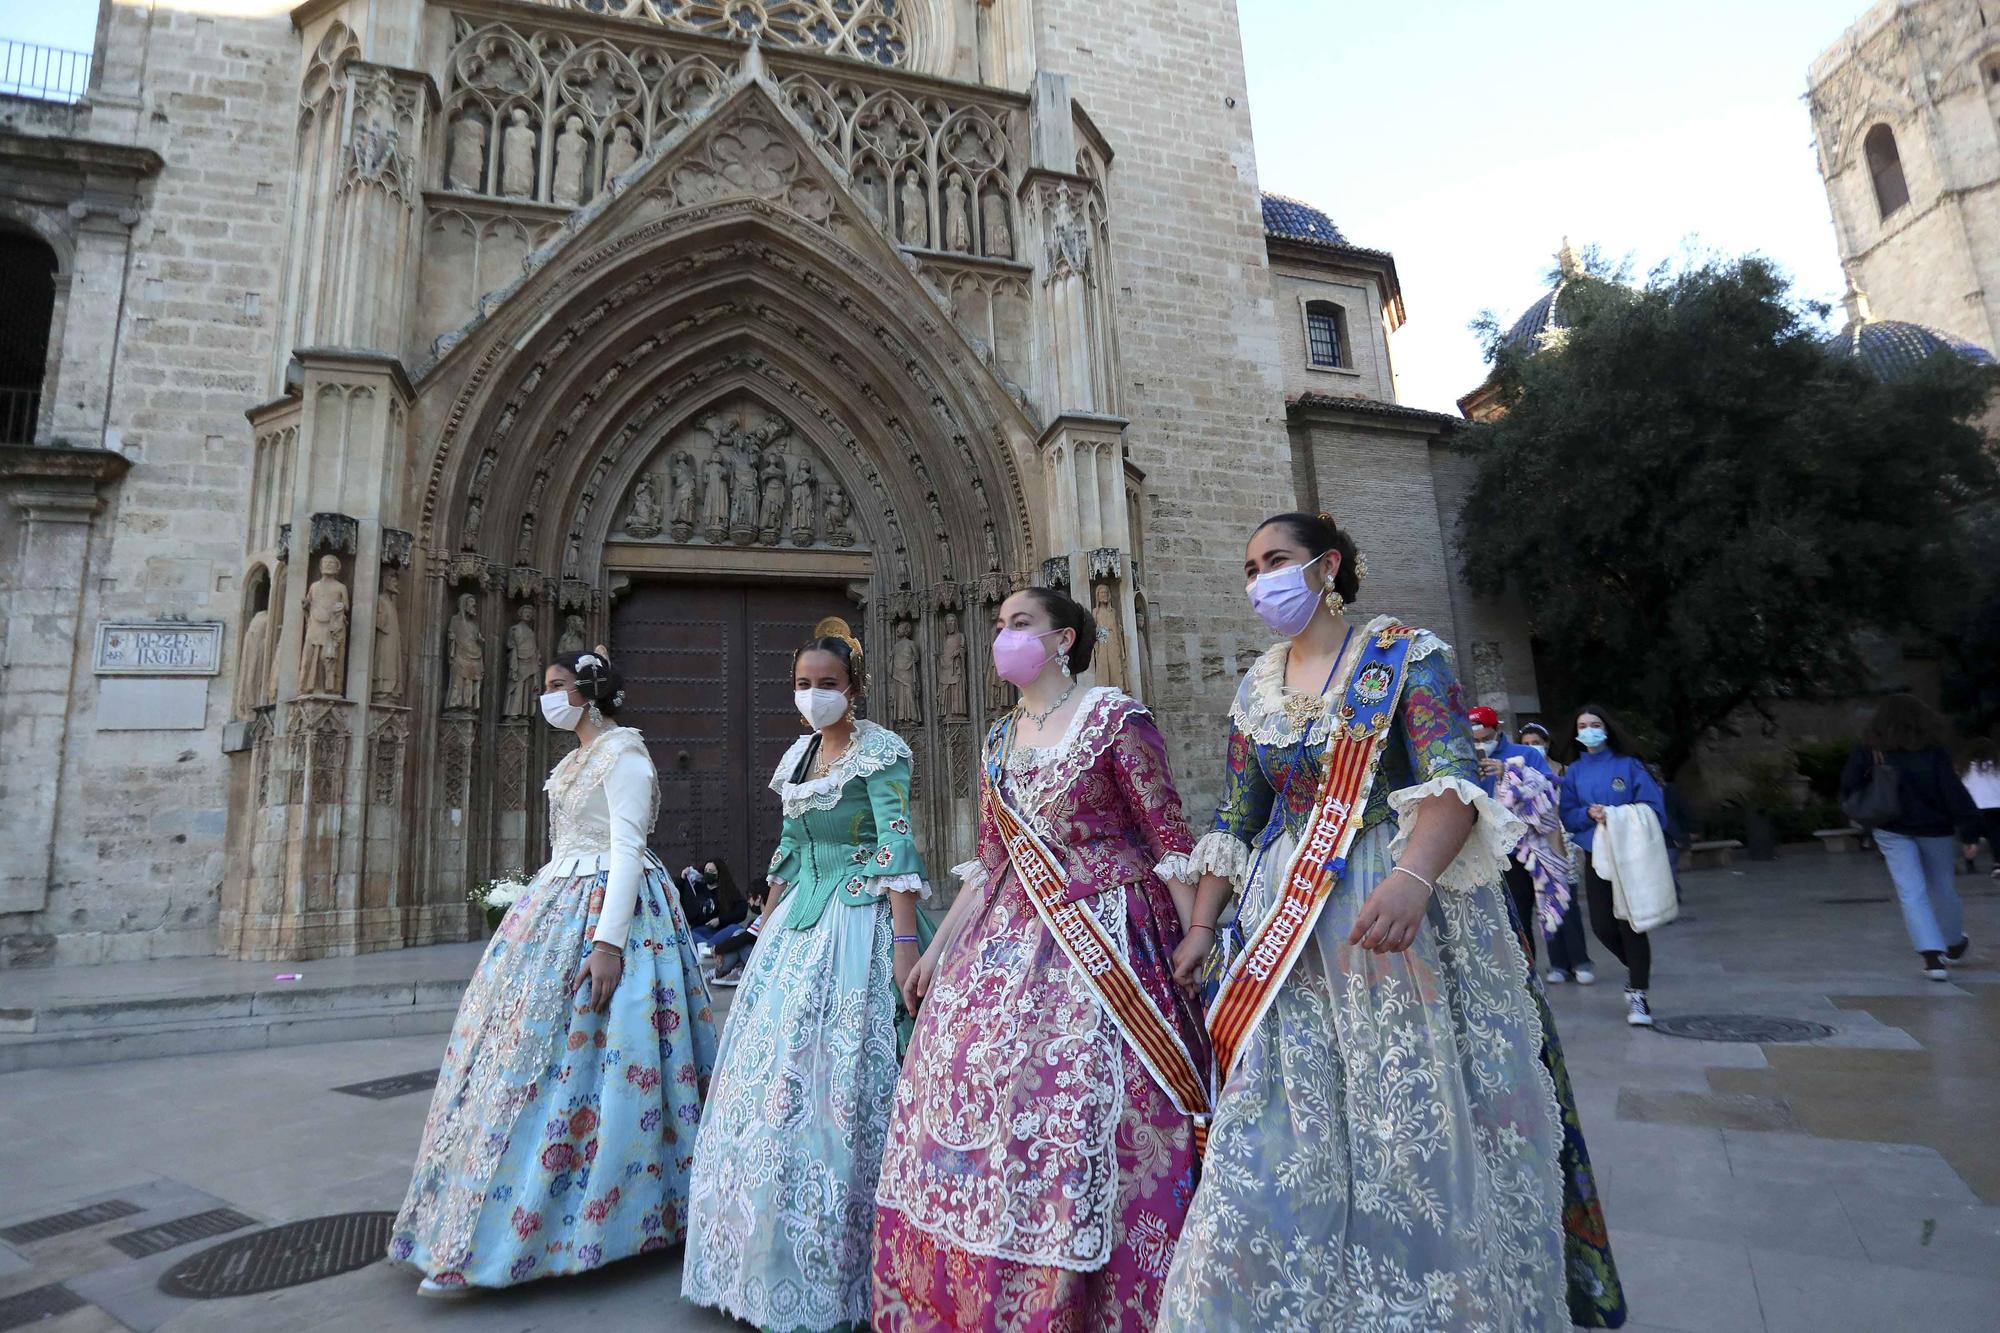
[(1841, 1185)]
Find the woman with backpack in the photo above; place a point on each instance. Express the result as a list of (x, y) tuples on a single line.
[(1901, 781)]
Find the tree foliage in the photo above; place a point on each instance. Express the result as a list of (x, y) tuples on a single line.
[(1700, 504)]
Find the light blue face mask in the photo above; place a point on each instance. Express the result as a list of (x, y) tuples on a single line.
[(1591, 737)]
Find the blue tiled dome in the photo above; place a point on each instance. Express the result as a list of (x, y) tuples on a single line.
[(1295, 220), (1544, 316), (1889, 347)]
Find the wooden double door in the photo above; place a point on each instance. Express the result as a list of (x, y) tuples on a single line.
[(708, 681)]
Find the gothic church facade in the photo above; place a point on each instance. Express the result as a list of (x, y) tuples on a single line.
[(396, 345)]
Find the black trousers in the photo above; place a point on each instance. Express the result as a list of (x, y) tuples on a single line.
[(1628, 946), (1521, 888)]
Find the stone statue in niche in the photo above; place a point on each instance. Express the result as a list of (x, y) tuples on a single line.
[(524, 666), (572, 567), (385, 671), (715, 496), (905, 686), (323, 661), (838, 515), (998, 237), (916, 226), (684, 496), (957, 223), (953, 697), (902, 569), (465, 656), (620, 154), (517, 157), (475, 518), (250, 663), (743, 493), (992, 548), (771, 522), (642, 516), (566, 185), (524, 543), (802, 503), (467, 170), (1109, 657), (574, 639), (1142, 622)]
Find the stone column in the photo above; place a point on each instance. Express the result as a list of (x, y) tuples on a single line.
[(52, 498), (85, 357)]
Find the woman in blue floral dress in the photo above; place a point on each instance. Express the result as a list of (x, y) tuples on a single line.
[(562, 1130), (783, 1196), (1384, 1153)]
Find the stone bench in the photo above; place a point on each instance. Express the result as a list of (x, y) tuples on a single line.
[(1713, 855), (1840, 840)]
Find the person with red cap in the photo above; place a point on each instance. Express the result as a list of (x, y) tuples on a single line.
[(1496, 752)]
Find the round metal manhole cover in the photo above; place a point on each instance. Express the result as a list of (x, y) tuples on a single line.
[(1741, 1027), (284, 1256)]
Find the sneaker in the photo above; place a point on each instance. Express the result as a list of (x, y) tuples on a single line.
[(1957, 951), (1934, 966), (730, 978), (1637, 1012), (1555, 976), (433, 1288), (1584, 976)]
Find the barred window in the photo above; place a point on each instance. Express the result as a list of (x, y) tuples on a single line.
[(1326, 334)]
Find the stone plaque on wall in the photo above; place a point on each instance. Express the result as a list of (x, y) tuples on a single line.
[(165, 648)]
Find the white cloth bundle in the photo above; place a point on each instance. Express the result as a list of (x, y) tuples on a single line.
[(1631, 852)]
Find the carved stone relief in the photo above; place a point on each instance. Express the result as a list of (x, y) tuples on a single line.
[(759, 485)]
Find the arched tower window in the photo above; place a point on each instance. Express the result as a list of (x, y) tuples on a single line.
[(27, 304), (1885, 168), (1326, 335)]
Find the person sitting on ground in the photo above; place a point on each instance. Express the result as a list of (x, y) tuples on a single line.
[(731, 945)]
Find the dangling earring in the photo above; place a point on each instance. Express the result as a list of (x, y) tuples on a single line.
[(1064, 667), (596, 718), (1336, 605)]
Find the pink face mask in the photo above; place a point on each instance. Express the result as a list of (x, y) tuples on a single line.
[(1018, 656)]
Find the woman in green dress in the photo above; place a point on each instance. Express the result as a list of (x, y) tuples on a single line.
[(782, 1200)]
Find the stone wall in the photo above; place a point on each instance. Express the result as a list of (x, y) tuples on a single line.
[(1366, 370), (138, 843), (1203, 383)]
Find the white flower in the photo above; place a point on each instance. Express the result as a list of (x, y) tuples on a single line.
[(589, 660), (502, 892)]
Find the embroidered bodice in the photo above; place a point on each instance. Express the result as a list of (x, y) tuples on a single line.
[(848, 831), (1102, 797), (603, 799)]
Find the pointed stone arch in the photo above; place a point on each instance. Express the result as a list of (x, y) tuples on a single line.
[(733, 264)]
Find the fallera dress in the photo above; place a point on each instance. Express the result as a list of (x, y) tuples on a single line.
[(1037, 1176), (791, 1144), (560, 1139), (1384, 1157)]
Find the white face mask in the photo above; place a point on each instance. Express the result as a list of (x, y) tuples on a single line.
[(820, 708), (1487, 747), (560, 712)]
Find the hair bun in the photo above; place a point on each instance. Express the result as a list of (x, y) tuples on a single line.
[(833, 627)]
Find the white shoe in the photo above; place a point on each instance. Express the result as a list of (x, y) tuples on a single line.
[(1585, 977), (1637, 1012), (429, 1287), (1555, 976)]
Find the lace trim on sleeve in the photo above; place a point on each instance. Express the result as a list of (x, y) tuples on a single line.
[(916, 884), (1178, 867), (1223, 854), (971, 875), (1483, 859)]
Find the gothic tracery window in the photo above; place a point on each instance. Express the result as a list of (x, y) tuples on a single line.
[(1885, 168), (871, 30)]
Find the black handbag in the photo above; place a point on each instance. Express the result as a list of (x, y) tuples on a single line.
[(1876, 801)]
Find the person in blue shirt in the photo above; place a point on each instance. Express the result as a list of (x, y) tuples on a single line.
[(1606, 773), (1495, 750)]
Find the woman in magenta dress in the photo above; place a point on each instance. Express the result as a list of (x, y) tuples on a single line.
[(1038, 1169)]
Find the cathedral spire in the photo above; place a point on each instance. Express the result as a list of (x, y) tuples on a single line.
[(1568, 265)]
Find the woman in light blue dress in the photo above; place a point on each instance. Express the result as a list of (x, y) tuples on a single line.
[(790, 1149), (562, 1130)]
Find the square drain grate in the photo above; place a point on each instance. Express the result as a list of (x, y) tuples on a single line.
[(32, 1307), (181, 1231), (61, 1224), (402, 1085)]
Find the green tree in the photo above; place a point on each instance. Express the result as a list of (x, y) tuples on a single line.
[(1700, 504)]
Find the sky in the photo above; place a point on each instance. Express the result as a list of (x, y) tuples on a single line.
[(1468, 137)]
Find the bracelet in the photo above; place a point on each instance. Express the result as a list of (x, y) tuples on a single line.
[(1198, 925), (616, 950), (1405, 870), (904, 939)]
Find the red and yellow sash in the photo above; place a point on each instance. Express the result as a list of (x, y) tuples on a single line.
[(1152, 1037), (1371, 690)]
